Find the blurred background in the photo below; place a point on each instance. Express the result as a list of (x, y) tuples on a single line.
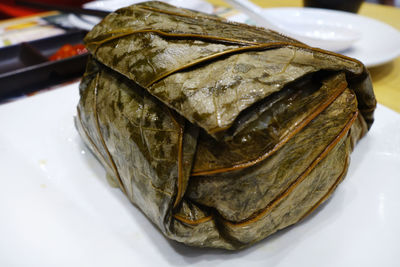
[(9, 8)]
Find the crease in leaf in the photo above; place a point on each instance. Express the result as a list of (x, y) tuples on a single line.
[(220, 133)]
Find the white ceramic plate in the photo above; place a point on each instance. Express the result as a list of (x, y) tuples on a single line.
[(87, 22), (379, 42), (111, 5), (57, 209)]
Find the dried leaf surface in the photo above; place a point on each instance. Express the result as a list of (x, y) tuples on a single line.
[(221, 133)]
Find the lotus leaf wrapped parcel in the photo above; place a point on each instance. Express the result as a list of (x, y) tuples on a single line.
[(220, 132)]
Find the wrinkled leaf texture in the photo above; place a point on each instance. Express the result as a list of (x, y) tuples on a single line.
[(220, 132)]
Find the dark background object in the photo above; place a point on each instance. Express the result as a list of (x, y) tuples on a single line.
[(344, 5), (25, 68), (10, 9), (63, 8)]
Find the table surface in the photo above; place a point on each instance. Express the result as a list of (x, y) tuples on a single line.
[(385, 78)]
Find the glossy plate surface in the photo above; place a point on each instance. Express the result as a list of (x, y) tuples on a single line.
[(58, 210), (379, 43), (87, 22), (111, 5)]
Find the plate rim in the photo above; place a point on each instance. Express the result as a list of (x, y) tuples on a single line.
[(369, 63)]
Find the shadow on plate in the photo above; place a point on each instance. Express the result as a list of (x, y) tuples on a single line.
[(271, 250), (380, 72)]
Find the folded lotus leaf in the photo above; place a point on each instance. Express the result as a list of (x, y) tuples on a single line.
[(220, 132)]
